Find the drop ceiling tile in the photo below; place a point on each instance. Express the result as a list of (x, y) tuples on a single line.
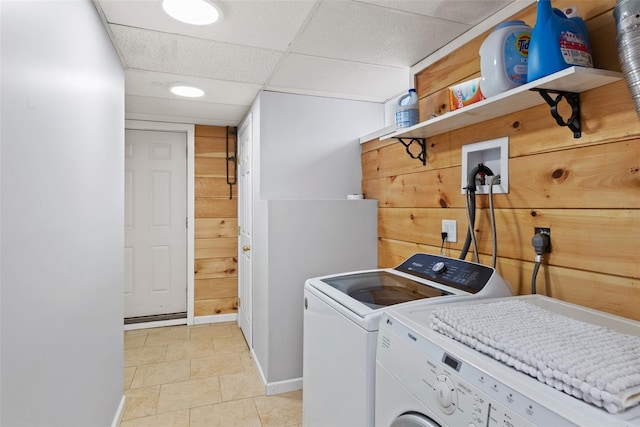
[(169, 53), (470, 12), (339, 79), (265, 24), (187, 109), (350, 49), (181, 119), (157, 85), (372, 34)]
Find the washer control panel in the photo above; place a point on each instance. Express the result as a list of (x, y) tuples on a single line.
[(457, 393), (452, 272)]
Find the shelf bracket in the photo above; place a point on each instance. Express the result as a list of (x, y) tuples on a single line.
[(422, 143), (573, 99)]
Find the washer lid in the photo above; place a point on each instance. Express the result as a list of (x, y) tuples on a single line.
[(414, 420), (379, 289)]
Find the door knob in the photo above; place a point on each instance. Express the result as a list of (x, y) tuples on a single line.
[(246, 248)]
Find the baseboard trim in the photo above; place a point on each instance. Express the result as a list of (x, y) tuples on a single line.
[(259, 368), (155, 318), (283, 386), (199, 320), (218, 318), (158, 324), (276, 387), (117, 419)]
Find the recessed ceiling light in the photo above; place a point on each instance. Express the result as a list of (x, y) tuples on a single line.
[(188, 91), (195, 12)]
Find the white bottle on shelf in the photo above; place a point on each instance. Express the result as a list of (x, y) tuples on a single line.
[(407, 112)]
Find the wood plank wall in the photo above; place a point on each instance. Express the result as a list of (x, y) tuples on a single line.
[(587, 190), (216, 225)]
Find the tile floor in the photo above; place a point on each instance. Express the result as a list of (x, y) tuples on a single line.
[(196, 376)]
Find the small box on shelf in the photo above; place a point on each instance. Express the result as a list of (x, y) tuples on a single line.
[(464, 94)]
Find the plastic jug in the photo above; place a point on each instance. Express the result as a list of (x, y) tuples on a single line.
[(557, 42), (503, 58), (407, 112), (573, 13)]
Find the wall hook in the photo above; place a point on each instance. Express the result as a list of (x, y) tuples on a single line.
[(232, 160)]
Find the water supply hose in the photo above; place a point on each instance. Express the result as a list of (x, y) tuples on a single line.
[(470, 204), (494, 235), (471, 220)]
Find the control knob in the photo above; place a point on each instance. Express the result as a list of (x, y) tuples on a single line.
[(446, 395), (439, 267)]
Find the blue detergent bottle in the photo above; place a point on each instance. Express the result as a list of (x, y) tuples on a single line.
[(557, 42)]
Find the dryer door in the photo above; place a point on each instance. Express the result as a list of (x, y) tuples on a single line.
[(414, 420)]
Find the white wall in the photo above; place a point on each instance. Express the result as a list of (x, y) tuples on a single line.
[(305, 148), (310, 145), (311, 238), (61, 216)]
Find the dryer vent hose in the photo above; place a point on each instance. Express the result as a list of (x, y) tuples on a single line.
[(627, 17)]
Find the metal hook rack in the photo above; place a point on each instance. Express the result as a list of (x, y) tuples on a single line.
[(573, 99), (422, 143), (232, 160)]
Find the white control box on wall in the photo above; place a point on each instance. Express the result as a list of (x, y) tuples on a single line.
[(493, 154)]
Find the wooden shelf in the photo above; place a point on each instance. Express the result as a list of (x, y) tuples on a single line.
[(574, 79)]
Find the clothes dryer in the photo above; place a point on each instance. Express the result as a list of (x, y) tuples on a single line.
[(425, 378)]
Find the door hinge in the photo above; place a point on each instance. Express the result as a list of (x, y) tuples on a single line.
[(239, 302), (238, 230), (187, 222)]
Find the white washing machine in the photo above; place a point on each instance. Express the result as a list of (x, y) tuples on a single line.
[(341, 317), (426, 379)]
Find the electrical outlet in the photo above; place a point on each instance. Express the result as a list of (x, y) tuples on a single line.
[(449, 226), (546, 231)]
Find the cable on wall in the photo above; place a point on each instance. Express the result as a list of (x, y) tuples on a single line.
[(540, 242)]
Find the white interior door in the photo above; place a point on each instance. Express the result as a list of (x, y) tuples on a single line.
[(245, 209), (155, 223)]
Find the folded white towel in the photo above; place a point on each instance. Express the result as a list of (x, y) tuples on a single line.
[(590, 362)]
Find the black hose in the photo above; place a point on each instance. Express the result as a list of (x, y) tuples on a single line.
[(494, 237), (471, 218), (470, 194)]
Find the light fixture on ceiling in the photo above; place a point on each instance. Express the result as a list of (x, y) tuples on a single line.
[(187, 91), (194, 12)]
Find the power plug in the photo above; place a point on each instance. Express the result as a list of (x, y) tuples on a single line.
[(449, 227), (541, 241)]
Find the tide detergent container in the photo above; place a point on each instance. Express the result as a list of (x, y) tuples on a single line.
[(503, 58), (407, 112), (557, 42)]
